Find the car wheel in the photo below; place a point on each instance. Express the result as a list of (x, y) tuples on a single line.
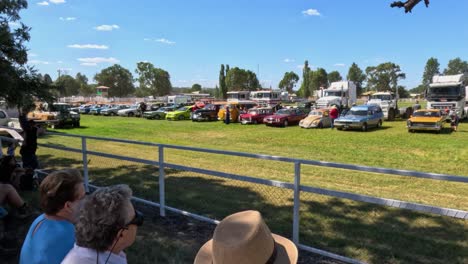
[(379, 124), (339, 128), (157, 117), (77, 124), (364, 127), (181, 117), (113, 114), (285, 123), (255, 121), (131, 114)]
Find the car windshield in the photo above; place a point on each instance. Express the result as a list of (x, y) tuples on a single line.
[(182, 109), (427, 113), (445, 91), (315, 113), (357, 112), (283, 112), (333, 93), (253, 112), (383, 97), (60, 108)]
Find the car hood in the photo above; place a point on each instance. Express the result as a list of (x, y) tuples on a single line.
[(311, 118), (203, 111), (176, 112), (327, 99), (425, 119), (351, 118), (248, 115)]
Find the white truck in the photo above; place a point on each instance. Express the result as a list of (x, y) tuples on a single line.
[(388, 102), (179, 99), (449, 92), (342, 94)]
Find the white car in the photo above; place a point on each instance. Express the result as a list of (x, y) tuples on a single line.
[(130, 112)]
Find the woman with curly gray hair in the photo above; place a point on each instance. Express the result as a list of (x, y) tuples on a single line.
[(107, 225)]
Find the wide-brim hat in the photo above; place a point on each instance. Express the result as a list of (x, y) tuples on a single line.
[(245, 238)]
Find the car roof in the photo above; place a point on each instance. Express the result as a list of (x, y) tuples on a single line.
[(428, 110)]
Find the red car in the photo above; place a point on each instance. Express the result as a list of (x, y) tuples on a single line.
[(285, 117), (255, 115)]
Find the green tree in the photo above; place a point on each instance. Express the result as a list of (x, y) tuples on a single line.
[(334, 76), (196, 88), (118, 79), (241, 80), (222, 83), (431, 69), (402, 92), (156, 81), (288, 82), (47, 79), (317, 79), (85, 88), (456, 66), (304, 91), (419, 89), (384, 77), (67, 85), (19, 85), (356, 75)]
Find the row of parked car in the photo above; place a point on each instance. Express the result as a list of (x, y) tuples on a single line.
[(361, 117)]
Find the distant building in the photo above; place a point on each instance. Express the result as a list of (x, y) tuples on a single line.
[(102, 91)]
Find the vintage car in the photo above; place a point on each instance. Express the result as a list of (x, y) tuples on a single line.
[(360, 117), (84, 109), (427, 119), (96, 110), (158, 114), (130, 112), (112, 111), (233, 113), (182, 113), (285, 117), (56, 115), (317, 118), (207, 113), (255, 115)]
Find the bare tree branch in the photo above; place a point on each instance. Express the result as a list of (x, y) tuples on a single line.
[(408, 5)]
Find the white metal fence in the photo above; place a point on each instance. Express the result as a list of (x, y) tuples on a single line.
[(288, 192)]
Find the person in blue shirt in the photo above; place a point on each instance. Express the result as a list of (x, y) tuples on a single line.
[(52, 234)]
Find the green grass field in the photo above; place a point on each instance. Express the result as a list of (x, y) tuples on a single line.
[(370, 233)]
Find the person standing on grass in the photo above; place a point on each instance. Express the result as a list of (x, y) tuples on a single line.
[(29, 146), (333, 115), (416, 106), (52, 234), (227, 116), (107, 225), (454, 120)]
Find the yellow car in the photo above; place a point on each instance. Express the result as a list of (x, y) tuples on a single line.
[(426, 119), (233, 111), (317, 118)]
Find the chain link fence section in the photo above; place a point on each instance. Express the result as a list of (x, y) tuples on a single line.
[(217, 197), (142, 178)]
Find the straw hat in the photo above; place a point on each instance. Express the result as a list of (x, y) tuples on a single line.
[(245, 238)]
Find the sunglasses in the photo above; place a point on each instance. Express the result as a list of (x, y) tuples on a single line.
[(137, 219)]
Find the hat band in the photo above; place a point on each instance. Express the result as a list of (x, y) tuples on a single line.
[(273, 256)]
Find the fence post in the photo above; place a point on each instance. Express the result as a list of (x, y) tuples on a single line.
[(162, 194), (84, 152), (297, 201)]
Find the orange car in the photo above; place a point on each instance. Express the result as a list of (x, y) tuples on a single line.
[(426, 119)]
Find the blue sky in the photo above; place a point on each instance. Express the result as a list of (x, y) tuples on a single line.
[(191, 39)]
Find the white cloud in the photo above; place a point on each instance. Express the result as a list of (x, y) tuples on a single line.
[(339, 65), (38, 62), (288, 60), (57, 1), (106, 27), (14, 24), (32, 55), (44, 3), (89, 64), (97, 60), (67, 18), (165, 41), (88, 46), (311, 12)]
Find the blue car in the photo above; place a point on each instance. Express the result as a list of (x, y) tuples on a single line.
[(360, 117)]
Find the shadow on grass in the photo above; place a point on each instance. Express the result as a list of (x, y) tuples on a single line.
[(380, 234), (375, 234)]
